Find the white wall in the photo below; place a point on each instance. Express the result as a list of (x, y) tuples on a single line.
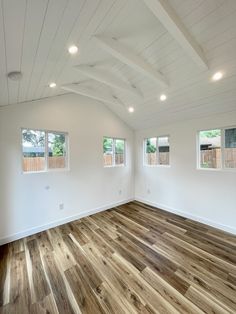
[(26, 205), (204, 195)]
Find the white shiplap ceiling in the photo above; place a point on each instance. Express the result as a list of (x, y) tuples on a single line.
[(35, 36)]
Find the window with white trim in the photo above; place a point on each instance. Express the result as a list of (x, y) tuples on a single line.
[(113, 152), (44, 150), (217, 148), (157, 151)]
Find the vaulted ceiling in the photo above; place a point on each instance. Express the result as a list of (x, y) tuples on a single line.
[(130, 52)]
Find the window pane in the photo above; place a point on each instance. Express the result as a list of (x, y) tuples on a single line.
[(33, 147), (230, 148), (56, 150), (107, 151), (164, 150), (150, 151), (210, 148), (119, 151)]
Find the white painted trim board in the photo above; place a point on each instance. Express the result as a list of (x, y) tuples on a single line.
[(59, 222), (203, 220)]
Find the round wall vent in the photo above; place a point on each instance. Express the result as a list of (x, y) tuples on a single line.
[(15, 75)]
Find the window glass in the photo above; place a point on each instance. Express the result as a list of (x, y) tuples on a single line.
[(43, 150), (210, 148), (163, 150), (108, 151), (56, 150), (151, 151), (33, 147), (119, 151), (230, 148)]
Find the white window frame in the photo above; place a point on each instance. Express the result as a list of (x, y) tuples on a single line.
[(222, 143), (113, 152), (46, 168), (145, 164)]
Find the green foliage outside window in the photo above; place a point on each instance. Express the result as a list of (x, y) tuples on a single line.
[(210, 133), (107, 145), (57, 144), (150, 148)]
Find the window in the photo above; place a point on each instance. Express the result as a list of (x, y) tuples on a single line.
[(230, 148), (113, 152), (56, 150), (43, 150), (217, 148), (33, 145), (151, 151), (163, 150), (157, 151), (210, 148)]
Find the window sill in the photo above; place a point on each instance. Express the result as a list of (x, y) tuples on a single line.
[(46, 171), (218, 169), (114, 166), (157, 166)]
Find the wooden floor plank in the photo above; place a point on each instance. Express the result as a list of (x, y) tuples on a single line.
[(115, 281), (3, 270), (39, 281), (134, 258), (169, 293), (85, 297), (57, 285), (20, 299)]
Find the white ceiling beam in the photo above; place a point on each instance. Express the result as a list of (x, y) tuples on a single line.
[(91, 93), (170, 20), (106, 78), (125, 55)]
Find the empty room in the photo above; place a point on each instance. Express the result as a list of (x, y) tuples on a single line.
[(118, 156)]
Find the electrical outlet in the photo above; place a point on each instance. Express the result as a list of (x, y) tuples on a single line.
[(61, 206), (148, 191), (120, 192)]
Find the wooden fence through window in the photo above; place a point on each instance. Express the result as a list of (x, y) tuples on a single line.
[(230, 157), (107, 159), (38, 163), (211, 158), (162, 158)]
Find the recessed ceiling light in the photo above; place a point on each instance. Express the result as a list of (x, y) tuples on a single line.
[(217, 76), (52, 85), (131, 109), (73, 50), (163, 97)]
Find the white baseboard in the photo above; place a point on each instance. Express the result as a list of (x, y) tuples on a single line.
[(59, 222), (203, 220)]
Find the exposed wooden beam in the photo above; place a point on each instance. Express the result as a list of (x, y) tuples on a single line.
[(125, 55), (91, 93), (170, 20), (106, 78)]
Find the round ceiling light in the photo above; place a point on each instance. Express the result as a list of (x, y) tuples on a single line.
[(73, 49), (52, 85), (163, 97), (217, 76), (131, 109), (14, 75)]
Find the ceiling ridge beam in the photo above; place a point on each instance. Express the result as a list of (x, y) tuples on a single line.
[(107, 79), (125, 55), (86, 91), (171, 21)]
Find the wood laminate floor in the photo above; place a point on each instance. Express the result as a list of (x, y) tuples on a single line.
[(131, 259)]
